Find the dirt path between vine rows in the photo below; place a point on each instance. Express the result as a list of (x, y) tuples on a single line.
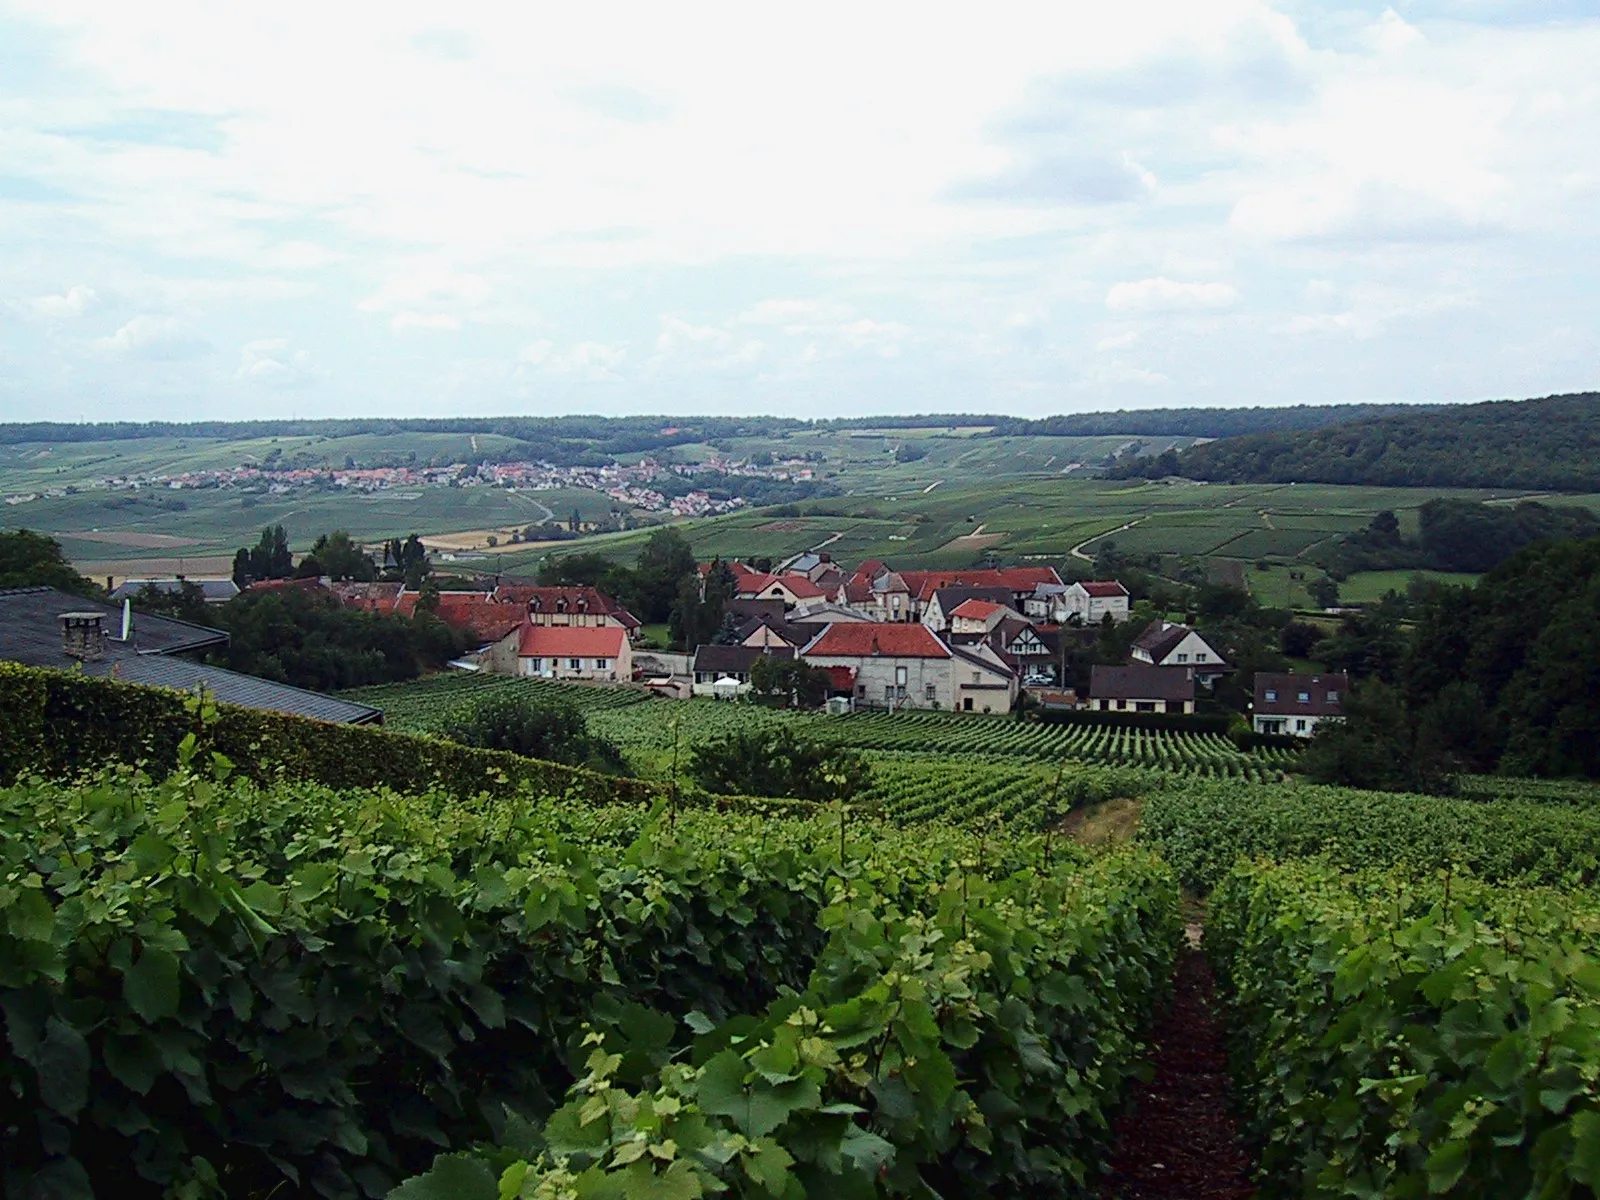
[(1177, 1137)]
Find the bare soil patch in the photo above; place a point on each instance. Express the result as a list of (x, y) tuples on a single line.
[(1109, 823), (1177, 1138), (133, 540), (210, 566), (974, 541)]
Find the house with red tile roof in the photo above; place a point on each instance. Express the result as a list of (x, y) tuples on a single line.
[(791, 589), (597, 653), (936, 613), (905, 665), (1019, 581), (978, 616)]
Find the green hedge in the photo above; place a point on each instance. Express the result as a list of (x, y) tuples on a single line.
[(58, 723)]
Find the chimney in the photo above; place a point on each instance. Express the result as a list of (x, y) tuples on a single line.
[(83, 636)]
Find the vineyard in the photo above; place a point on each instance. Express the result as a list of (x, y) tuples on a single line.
[(226, 990), (645, 729), (227, 983)]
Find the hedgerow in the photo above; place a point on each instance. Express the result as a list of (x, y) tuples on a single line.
[(1402, 1038), (57, 723)]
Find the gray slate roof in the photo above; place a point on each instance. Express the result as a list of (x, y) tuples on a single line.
[(215, 591), (1159, 640), (1140, 682), (30, 634), (1324, 694), (735, 660), (30, 628)]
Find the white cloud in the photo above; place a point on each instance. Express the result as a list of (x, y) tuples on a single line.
[(1122, 373), (274, 363), (563, 178), (416, 320), (1366, 311), (1121, 340), (155, 338), (592, 362), (1167, 295), (77, 300)]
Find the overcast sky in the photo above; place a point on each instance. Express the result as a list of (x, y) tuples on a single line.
[(319, 209)]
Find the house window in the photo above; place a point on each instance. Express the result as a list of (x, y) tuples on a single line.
[(1118, 704), (536, 665), (1300, 724), (575, 663), (1145, 705), (1305, 697), (977, 677), (1271, 695), (929, 691), (1333, 697), (1200, 657), (1183, 658), (602, 664), (888, 692)]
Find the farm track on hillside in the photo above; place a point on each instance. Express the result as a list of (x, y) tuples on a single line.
[(1177, 1137)]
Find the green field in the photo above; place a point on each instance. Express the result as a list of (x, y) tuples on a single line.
[(1368, 587), (1020, 498)]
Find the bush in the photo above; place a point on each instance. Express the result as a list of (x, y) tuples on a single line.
[(550, 730), (773, 762)]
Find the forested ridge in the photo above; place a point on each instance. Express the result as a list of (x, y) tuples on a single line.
[(1198, 422), (1550, 443), (634, 434)]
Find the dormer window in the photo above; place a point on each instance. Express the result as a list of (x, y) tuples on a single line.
[(1333, 697), (1271, 695), (1305, 697)]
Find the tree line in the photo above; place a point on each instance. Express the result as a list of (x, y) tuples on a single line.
[(1551, 443), (1500, 676), (1457, 535), (1195, 422)]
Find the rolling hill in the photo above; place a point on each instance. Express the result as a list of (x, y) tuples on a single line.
[(1551, 443)]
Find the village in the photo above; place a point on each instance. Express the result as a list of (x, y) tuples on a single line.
[(628, 484), (979, 640)]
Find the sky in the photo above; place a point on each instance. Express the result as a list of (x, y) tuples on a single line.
[(228, 211)]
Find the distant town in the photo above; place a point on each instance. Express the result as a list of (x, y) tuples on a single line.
[(629, 485)]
